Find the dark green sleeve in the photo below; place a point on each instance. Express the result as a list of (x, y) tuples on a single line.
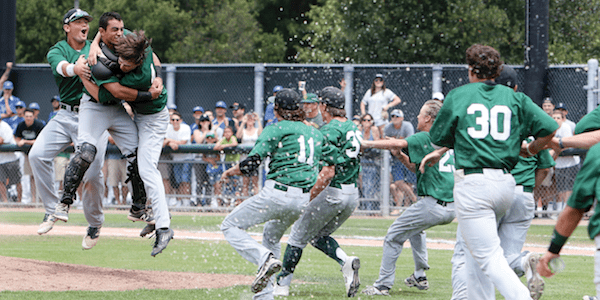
[(540, 123), (544, 160), (415, 148), (444, 126), (266, 142), (589, 122), (331, 154)]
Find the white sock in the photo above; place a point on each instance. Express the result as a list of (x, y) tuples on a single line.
[(341, 254), (420, 273)]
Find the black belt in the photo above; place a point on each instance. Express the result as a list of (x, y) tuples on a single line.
[(528, 189), (337, 185), (67, 107), (285, 188), (480, 171), (443, 203)]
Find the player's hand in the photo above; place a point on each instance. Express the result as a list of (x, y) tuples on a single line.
[(81, 68), (430, 160), (9, 65), (542, 266), (155, 92), (158, 83), (554, 145), (95, 51), (224, 177)]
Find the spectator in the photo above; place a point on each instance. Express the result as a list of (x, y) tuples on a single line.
[(8, 101), (548, 106), (214, 170), (210, 115), (563, 108), (310, 105), (203, 187), (356, 121), (248, 135), (172, 108), (55, 101), (221, 120), (343, 84), (228, 141), (403, 179), (379, 99), (18, 117), (35, 107), (179, 134), (198, 111), (116, 165), (10, 173), (370, 164), (239, 110), (25, 134), (269, 111), (566, 167)]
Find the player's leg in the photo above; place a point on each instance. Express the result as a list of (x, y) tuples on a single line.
[(459, 268)]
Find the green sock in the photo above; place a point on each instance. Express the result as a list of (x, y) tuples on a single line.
[(328, 246), (291, 257)]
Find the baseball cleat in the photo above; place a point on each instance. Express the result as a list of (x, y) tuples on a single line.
[(420, 283), (350, 271), (281, 290), (141, 215), (91, 238), (373, 291), (61, 212), (147, 230), (47, 224), (270, 267), (586, 297), (163, 237), (535, 282)]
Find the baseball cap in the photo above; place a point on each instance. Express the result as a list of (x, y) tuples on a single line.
[(438, 96), (310, 98), (332, 96), (210, 134), (204, 118), (238, 106), (76, 14), (55, 98), (379, 76), (287, 99), (172, 106), (20, 104), (34, 105), (198, 108), (548, 100), (277, 88), (221, 104), (508, 77), (8, 85), (397, 113), (561, 105)]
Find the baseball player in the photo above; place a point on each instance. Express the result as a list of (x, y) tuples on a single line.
[(485, 123), (513, 226), (435, 206), (61, 131), (151, 119), (333, 198), (295, 151), (585, 190)]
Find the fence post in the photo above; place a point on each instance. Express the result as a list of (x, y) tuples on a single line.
[(171, 70), (385, 184), (259, 90), (436, 80), (349, 78), (592, 86)]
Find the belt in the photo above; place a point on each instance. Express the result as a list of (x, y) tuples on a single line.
[(338, 185), (285, 188), (67, 107), (443, 203), (528, 189), (480, 171)]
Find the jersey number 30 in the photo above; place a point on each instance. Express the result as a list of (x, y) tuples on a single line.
[(488, 122)]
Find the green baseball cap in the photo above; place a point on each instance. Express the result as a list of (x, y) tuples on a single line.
[(310, 98)]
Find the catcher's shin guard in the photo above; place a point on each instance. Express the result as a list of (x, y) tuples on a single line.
[(138, 191), (76, 170)]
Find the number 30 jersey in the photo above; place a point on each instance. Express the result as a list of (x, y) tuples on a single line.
[(485, 123), (343, 137), (295, 151)]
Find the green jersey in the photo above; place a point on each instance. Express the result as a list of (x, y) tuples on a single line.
[(344, 153), (524, 171), (295, 151), (437, 181), (69, 88), (485, 124), (589, 122), (587, 188)]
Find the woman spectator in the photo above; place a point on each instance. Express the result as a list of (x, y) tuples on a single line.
[(370, 163), (203, 186), (379, 99), (248, 136)]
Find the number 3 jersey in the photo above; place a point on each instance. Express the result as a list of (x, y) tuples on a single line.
[(485, 123), (295, 151), (343, 137)]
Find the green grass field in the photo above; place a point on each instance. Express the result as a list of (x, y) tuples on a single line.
[(321, 275)]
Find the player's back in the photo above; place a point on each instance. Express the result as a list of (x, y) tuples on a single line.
[(344, 137)]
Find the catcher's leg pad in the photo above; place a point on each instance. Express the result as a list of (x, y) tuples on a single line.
[(75, 171), (138, 190)]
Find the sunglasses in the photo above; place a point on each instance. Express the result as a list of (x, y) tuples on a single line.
[(175, 120), (368, 120), (378, 79)]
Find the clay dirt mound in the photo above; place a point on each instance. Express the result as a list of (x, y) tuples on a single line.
[(19, 274)]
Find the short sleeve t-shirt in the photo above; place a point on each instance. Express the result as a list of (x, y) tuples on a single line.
[(29, 132), (183, 134), (376, 102)]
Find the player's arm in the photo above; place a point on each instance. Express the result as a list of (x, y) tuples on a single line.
[(539, 144), (157, 83), (432, 158), (95, 50), (388, 144), (540, 175), (128, 94), (79, 68), (404, 159), (323, 181), (583, 141)]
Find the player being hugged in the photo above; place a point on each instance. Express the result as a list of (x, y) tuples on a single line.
[(333, 198), (484, 123), (295, 151)]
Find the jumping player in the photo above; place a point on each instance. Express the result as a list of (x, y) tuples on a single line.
[(485, 123), (61, 131), (295, 151), (435, 206), (333, 198)]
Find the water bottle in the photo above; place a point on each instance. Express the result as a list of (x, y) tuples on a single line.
[(556, 265)]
